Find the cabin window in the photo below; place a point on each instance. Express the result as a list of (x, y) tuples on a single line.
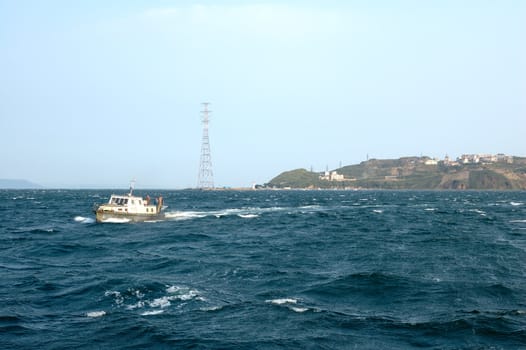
[(126, 201), (140, 202), (133, 202)]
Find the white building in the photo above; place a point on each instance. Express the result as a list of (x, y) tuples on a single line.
[(332, 176)]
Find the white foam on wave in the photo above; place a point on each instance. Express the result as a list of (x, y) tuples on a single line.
[(152, 312), (378, 211), (96, 314), (289, 303), (143, 301), (116, 295), (184, 215), (183, 293), (116, 221), (282, 301), (137, 305), (244, 213), (248, 216), (162, 302), (84, 220), (478, 211), (211, 308), (518, 221), (515, 204), (299, 309), (312, 206)]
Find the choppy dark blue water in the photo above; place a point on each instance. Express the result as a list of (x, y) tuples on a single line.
[(266, 270)]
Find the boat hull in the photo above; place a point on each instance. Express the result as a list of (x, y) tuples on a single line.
[(116, 217)]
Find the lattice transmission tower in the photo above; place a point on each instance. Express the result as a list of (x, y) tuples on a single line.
[(205, 178)]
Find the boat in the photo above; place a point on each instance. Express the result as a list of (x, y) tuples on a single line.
[(128, 207)]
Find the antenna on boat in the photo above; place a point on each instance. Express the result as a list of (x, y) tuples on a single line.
[(132, 186)]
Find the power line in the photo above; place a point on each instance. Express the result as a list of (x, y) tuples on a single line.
[(205, 178)]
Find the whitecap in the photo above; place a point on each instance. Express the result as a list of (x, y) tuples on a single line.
[(138, 305), (116, 220), (183, 293), (518, 221), (516, 203), (84, 220), (248, 216), (184, 215), (96, 313), (173, 289), (137, 293), (299, 309), (378, 211), (117, 296), (478, 211), (160, 302), (152, 312), (313, 206), (211, 308), (282, 301)]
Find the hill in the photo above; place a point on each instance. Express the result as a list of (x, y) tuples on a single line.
[(412, 173), (17, 184)]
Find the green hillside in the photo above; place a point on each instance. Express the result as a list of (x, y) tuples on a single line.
[(413, 173)]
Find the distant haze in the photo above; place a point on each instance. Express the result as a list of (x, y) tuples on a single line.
[(17, 184), (94, 94)]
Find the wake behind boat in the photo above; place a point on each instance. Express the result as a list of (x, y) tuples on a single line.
[(127, 207)]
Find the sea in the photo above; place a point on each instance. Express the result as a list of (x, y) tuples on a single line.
[(265, 270)]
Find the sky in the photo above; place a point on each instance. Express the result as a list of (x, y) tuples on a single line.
[(96, 93)]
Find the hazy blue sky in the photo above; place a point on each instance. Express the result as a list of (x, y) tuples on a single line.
[(94, 93)]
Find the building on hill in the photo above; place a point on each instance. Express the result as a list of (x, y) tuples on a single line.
[(484, 158), (504, 158), (332, 176)]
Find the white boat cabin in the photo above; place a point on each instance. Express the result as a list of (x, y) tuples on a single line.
[(128, 204)]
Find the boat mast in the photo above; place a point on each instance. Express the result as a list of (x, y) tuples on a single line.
[(132, 186)]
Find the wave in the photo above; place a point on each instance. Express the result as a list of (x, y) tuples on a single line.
[(184, 215), (248, 216), (152, 312), (282, 301), (94, 314), (289, 303), (153, 301), (245, 213), (84, 220), (43, 230), (116, 221)]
